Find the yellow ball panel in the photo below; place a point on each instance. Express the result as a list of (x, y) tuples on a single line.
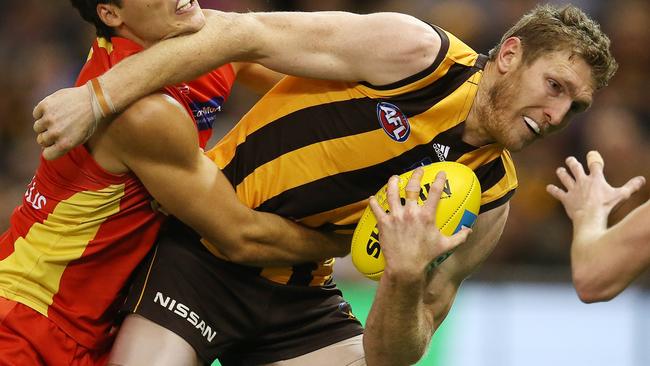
[(459, 204)]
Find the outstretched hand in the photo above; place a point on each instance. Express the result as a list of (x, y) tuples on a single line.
[(589, 196), (64, 120), (408, 234)]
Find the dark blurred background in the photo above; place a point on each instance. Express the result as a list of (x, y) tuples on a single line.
[(43, 44)]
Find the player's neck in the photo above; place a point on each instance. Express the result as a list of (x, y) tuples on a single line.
[(125, 32), (475, 133)]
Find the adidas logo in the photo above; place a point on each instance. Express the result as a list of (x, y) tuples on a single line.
[(442, 151)]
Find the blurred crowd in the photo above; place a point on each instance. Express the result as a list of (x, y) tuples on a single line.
[(43, 45)]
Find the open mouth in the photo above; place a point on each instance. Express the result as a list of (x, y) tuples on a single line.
[(184, 5), (532, 125)]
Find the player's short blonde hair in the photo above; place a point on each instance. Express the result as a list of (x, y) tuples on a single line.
[(549, 28)]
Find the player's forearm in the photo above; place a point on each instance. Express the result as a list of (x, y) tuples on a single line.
[(604, 260), (328, 45), (225, 38), (178, 59), (270, 240), (593, 264), (247, 237), (593, 278), (398, 328)]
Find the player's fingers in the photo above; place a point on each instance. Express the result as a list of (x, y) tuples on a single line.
[(412, 189), (40, 125), (45, 139), (37, 113), (414, 181), (53, 152), (376, 208), (556, 192), (458, 238), (434, 193), (566, 178), (577, 170), (632, 185), (392, 193), (595, 162)]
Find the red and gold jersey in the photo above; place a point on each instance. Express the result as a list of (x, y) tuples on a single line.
[(203, 97), (315, 150), (81, 231)]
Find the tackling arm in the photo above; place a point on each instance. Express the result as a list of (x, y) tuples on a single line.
[(326, 45), (190, 186)]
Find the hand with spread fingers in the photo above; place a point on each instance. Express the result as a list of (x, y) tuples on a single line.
[(408, 234), (588, 198), (604, 260)]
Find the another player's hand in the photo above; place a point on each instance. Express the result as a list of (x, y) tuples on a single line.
[(588, 197), (408, 234), (64, 120)]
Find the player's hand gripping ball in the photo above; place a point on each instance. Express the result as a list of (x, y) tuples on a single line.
[(459, 206)]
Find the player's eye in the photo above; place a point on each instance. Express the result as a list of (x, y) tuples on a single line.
[(554, 86)]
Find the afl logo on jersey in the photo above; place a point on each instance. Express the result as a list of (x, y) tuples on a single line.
[(393, 121)]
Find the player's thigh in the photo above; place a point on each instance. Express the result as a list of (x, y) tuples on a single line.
[(143, 342), (348, 352)]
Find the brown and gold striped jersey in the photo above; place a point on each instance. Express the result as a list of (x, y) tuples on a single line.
[(315, 150)]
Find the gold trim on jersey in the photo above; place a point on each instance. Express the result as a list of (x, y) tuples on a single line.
[(102, 43), (31, 275)]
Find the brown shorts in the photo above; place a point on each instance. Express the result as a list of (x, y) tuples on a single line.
[(227, 311)]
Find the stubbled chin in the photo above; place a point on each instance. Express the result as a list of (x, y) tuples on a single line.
[(520, 145)]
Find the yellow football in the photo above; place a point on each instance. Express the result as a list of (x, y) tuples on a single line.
[(459, 206)]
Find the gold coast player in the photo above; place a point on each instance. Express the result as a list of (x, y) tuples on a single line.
[(334, 143)]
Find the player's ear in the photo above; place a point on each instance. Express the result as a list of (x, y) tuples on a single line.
[(109, 14), (509, 55)]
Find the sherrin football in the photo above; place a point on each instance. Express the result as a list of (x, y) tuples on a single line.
[(459, 206)]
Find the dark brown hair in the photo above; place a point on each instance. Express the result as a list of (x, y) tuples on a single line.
[(88, 10)]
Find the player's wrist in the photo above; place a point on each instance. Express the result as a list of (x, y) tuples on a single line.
[(101, 105), (589, 220), (406, 274), (100, 99), (587, 232)]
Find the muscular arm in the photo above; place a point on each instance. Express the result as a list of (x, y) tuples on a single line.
[(400, 325), (324, 45), (256, 77), (449, 276), (190, 186), (604, 261), (327, 45)]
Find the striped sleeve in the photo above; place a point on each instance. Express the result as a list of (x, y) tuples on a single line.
[(452, 52), (499, 185)]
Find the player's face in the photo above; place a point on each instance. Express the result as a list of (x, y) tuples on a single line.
[(150, 21), (537, 99)]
